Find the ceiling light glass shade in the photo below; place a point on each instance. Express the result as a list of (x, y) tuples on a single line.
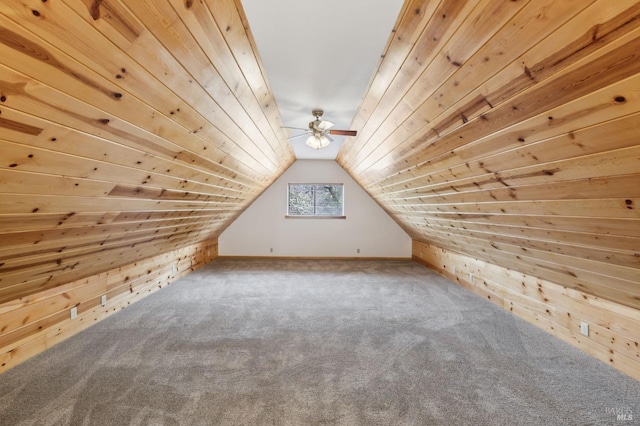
[(318, 142)]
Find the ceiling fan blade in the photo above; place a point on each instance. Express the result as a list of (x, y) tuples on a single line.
[(300, 135), (325, 125), (343, 132)]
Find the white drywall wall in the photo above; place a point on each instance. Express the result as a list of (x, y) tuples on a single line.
[(263, 225)]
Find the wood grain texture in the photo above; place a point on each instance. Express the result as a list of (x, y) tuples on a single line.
[(513, 138), (503, 132), (127, 129), (614, 329), (31, 324)]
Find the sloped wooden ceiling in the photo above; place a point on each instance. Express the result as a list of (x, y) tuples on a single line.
[(127, 128), (504, 130), (509, 131)]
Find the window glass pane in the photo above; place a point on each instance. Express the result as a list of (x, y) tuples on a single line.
[(315, 200), (329, 200), (301, 200)]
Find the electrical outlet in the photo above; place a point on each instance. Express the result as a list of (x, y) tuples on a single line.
[(74, 312), (584, 328), (357, 250), (103, 300), (271, 250)]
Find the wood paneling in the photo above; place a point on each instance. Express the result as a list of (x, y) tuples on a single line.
[(31, 324), (507, 132), (503, 132), (614, 329), (127, 128)]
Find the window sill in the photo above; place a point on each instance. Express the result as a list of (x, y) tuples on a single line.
[(315, 217)]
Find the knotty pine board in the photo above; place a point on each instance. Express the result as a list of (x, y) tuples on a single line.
[(467, 75), (619, 289), (592, 227), (34, 323), (568, 132), (605, 242), (443, 22), (506, 77), (522, 153), (43, 273), (23, 242), (127, 129), (614, 329), (537, 100), (591, 187), (414, 15), (146, 129), (578, 263), (109, 67)]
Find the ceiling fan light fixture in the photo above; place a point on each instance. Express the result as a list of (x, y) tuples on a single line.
[(318, 133), (318, 141)]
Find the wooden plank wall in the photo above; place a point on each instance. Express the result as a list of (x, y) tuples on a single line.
[(614, 329), (31, 324), (507, 132), (127, 129)]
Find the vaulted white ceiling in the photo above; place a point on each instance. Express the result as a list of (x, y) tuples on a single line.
[(320, 55)]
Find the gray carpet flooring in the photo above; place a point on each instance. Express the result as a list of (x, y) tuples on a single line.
[(315, 342)]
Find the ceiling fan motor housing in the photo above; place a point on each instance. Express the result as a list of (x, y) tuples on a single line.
[(317, 113)]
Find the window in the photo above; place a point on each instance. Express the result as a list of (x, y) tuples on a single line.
[(316, 200)]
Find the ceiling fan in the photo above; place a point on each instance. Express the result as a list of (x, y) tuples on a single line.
[(319, 131)]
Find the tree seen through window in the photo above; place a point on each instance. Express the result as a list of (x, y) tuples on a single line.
[(316, 200)]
